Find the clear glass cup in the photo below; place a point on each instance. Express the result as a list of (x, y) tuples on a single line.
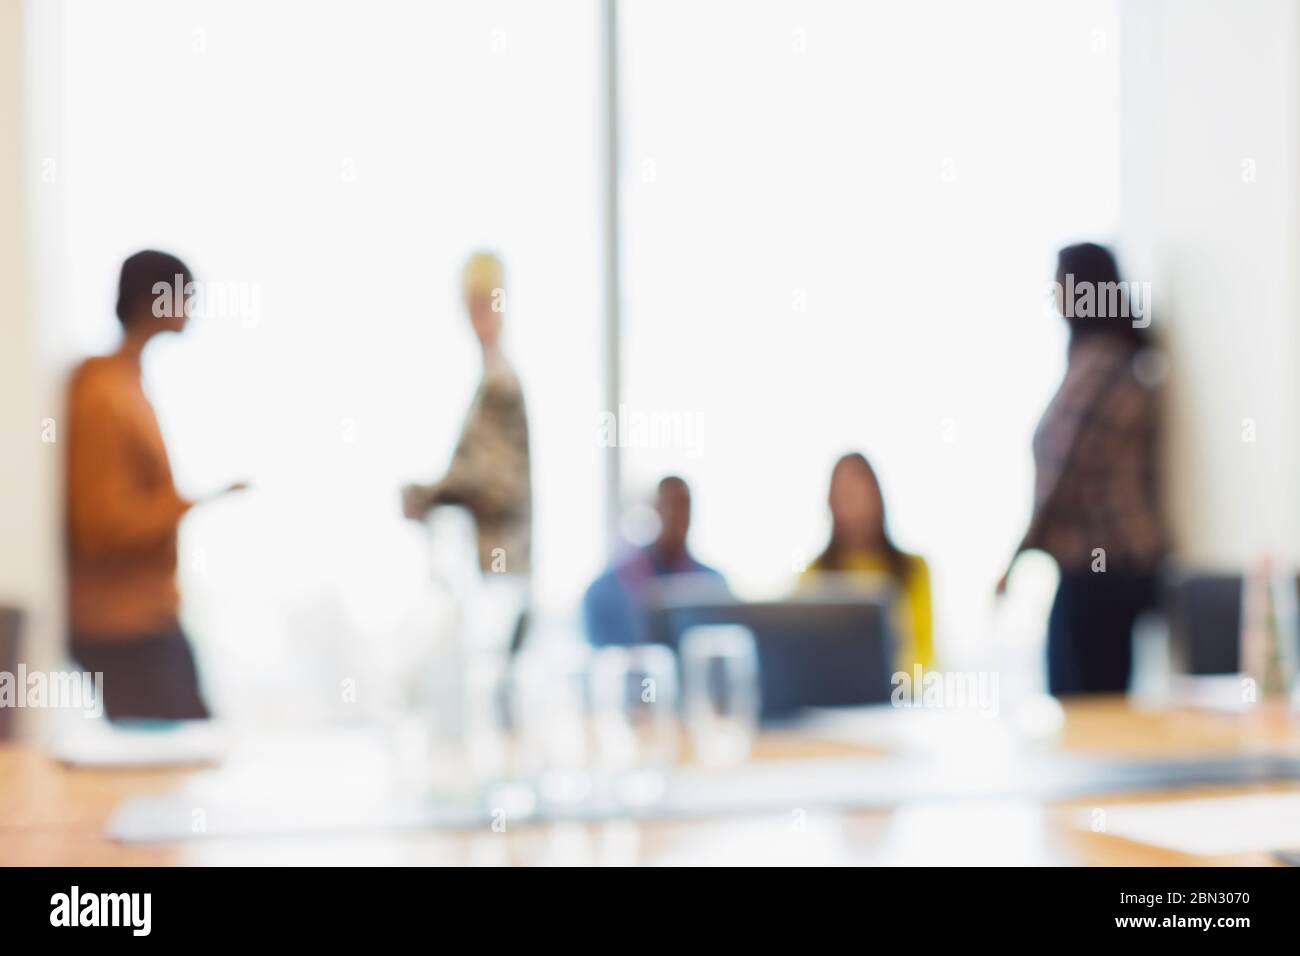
[(552, 690), (487, 719), (720, 675), (635, 709)]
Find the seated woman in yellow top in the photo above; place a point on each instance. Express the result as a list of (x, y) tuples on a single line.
[(860, 544)]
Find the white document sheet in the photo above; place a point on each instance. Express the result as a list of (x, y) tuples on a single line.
[(1219, 825), (101, 744)]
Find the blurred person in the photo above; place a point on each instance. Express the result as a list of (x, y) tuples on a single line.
[(1096, 498), (616, 606), (123, 511), (861, 550), (489, 474)]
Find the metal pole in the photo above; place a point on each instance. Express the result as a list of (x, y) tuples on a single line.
[(613, 288)]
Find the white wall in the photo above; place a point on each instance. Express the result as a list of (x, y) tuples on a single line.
[(1209, 175), (18, 412), (29, 466), (871, 233)]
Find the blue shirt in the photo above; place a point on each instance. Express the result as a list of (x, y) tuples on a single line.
[(616, 605)]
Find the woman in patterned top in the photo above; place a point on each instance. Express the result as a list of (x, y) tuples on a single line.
[(1096, 492), (489, 473)]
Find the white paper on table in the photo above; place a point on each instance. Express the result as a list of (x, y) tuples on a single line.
[(183, 743), (1209, 827)]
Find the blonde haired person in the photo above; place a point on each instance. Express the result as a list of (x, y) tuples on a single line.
[(484, 277), (489, 470), (861, 548)]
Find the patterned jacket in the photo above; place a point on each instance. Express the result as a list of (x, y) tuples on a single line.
[(1095, 454), (489, 473)]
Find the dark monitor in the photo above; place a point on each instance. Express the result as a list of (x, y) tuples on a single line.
[(811, 653)]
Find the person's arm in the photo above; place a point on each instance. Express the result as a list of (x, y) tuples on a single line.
[(417, 500), (488, 473), (1061, 428), (110, 510), (607, 612), (1049, 468), (921, 612), (455, 488)]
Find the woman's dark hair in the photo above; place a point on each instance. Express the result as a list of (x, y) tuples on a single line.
[(833, 558), (141, 273), (1091, 269)]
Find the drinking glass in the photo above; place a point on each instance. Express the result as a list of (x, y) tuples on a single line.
[(553, 707), (720, 674), (635, 709)]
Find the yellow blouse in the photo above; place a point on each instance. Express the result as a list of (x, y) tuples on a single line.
[(913, 617)]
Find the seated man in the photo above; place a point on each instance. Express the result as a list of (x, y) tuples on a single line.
[(617, 603)]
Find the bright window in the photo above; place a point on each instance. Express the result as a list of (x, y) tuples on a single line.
[(840, 225), (339, 161)]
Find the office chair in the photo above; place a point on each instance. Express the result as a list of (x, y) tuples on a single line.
[(1204, 613), (11, 622)]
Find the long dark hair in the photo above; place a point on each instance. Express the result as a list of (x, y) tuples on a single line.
[(1090, 265), (833, 558)]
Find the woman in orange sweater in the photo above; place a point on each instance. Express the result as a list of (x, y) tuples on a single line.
[(123, 512)]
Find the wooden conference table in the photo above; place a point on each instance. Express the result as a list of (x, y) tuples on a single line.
[(55, 815)]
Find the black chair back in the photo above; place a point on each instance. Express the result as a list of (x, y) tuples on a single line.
[(1204, 613), (11, 623)]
